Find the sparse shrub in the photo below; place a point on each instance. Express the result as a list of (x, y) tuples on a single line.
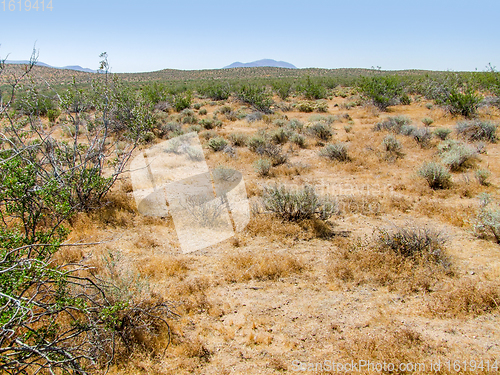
[(414, 241), (407, 130), (427, 121), (348, 128), (274, 153), (392, 147), (336, 151), (487, 221), (238, 139), (321, 106), (202, 112), (298, 139), (295, 125), (442, 133), (279, 136), (280, 122), (262, 167), (482, 176), (148, 137), (53, 114), (296, 205), (436, 175), (197, 106), (194, 128), (477, 130), (321, 131), (255, 142), (254, 116), (217, 143), (207, 123), (305, 107), (457, 155), (209, 134), (393, 124), (422, 135)]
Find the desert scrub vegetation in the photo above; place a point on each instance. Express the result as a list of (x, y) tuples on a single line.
[(335, 151), (477, 130), (393, 124), (262, 167), (257, 96), (442, 133), (409, 258), (59, 316), (487, 221), (414, 241), (217, 143), (320, 130), (457, 155), (436, 175), (291, 204), (382, 91), (392, 147)]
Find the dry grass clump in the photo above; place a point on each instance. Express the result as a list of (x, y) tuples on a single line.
[(465, 297), (407, 258), (397, 345), (159, 267), (260, 266)]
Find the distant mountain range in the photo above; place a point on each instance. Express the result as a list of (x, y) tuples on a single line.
[(70, 67), (264, 62)]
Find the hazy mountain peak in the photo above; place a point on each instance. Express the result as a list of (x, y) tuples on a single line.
[(263, 62)]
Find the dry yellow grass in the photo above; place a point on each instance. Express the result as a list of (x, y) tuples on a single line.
[(281, 292)]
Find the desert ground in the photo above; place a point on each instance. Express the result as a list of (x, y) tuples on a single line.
[(296, 296)]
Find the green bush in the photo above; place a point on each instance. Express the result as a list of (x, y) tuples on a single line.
[(255, 142), (217, 143), (262, 167), (295, 125), (442, 133), (182, 101), (202, 112), (299, 140), (256, 96), (53, 114), (238, 139), (321, 131), (477, 130), (462, 102), (392, 146), (436, 175), (282, 88), (207, 123), (427, 121), (336, 151), (279, 136), (305, 107), (215, 90), (312, 90), (383, 91), (297, 205)]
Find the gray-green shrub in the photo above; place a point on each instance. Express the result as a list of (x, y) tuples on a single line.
[(436, 175)]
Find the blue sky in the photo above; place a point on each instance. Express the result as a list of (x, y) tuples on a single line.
[(150, 35)]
